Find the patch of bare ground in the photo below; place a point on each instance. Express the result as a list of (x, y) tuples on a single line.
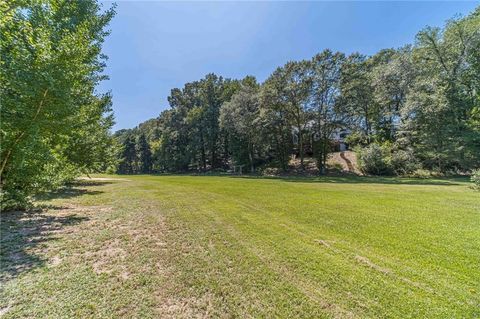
[(325, 243), (4, 310), (365, 261), (347, 160), (338, 163), (186, 307), (120, 249)]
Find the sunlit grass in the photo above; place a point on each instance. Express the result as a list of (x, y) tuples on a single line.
[(182, 246)]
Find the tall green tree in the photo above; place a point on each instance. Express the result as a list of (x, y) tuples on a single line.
[(144, 155), (288, 89), (239, 117), (275, 121), (440, 103), (53, 121), (392, 75), (128, 157), (329, 114), (357, 94)]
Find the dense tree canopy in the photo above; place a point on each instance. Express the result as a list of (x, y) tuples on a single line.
[(417, 107), (53, 123)]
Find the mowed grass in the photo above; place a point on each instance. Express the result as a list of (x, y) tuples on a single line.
[(213, 246)]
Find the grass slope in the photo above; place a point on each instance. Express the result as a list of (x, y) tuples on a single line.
[(191, 246)]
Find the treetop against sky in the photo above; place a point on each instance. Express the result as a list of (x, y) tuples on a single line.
[(156, 46)]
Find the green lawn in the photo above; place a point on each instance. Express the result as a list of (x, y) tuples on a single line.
[(210, 246)]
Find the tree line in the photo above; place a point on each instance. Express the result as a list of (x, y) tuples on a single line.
[(417, 107)]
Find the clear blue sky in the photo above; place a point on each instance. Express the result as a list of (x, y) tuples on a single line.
[(157, 46)]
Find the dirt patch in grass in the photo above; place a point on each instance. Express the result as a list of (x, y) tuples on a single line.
[(124, 252), (325, 243), (367, 262), (346, 160), (186, 307)]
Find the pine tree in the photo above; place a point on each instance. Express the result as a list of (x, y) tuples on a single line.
[(129, 156), (144, 155)]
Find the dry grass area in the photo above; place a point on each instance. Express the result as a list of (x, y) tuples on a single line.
[(81, 260)]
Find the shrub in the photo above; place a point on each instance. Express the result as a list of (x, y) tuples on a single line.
[(476, 179), (375, 159), (420, 173), (404, 162), (356, 139), (23, 186), (336, 167)]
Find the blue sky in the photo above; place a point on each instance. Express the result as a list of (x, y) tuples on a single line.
[(157, 46)]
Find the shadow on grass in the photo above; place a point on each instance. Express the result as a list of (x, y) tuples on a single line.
[(67, 193), (22, 234), (74, 189), (86, 182), (340, 179), (361, 180)]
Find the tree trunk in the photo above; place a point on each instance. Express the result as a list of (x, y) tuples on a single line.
[(204, 157), (214, 156), (324, 157), (367, 124), (300, 139), (19, 138), (250, 157)]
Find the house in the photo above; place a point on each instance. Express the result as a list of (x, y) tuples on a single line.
[(337, 138)]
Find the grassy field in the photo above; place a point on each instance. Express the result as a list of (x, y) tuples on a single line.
[(200, 246)]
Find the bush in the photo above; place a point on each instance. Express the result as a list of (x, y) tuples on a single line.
[(356, 139), (476, 179), (420, 173), (336, 167), (404, 162), (35, 179), (375, 159)]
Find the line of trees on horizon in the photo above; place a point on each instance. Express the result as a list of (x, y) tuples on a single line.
[(407, 109), (417, 107)]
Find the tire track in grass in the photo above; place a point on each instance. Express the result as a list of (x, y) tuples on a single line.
[(313, 292), (350, 256)]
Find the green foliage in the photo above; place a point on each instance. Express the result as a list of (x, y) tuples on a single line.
[(416, 108), (144, 155), (438, 114), (239, 119), (328, 111), (375, 159), (404, 162), (128, 157), (384, 159), (423, 173), (475, 178), (54, 125)]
